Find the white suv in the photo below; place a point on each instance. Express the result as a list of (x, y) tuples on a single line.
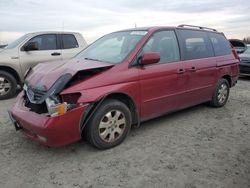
[(29, 50)]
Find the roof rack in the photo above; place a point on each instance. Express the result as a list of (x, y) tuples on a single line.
[(199, 27)]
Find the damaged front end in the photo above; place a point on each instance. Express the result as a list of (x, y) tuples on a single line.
[(50, 102), (41, 101)]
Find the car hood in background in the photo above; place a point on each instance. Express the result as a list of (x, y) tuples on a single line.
[(244, 55), (244, 58), (45, 74), (239, 45)]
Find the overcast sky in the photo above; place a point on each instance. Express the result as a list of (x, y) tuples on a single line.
[(93, 18)]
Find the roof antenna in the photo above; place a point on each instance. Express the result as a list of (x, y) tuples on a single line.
[(63, 26)]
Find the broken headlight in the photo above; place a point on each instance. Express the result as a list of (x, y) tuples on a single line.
[(55, 106)]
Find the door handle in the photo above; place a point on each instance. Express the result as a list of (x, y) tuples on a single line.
[(192, 69), (55, 53), (180, 71)]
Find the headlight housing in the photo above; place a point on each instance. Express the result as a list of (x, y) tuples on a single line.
[(55, 106)]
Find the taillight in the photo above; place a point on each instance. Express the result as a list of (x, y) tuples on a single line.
[(235, 53)]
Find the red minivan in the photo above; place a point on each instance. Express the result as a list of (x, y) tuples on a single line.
[(122, 79)]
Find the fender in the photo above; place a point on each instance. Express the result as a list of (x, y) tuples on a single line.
[(91, 109)]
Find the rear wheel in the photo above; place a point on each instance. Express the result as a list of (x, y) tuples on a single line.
[(221, 93), (8, 85), (109, 126)]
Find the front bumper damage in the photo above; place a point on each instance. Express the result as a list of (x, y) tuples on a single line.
[(51, 131)]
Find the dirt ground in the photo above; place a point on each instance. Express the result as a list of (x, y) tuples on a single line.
[(196, 147)]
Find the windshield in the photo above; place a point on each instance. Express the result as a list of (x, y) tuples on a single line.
[(112, 48), (16, 42)]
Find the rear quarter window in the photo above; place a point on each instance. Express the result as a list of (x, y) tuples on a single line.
[(195, 44), (69, 41), (220, 44)]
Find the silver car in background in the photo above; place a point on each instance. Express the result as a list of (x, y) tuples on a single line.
[(21, 55)]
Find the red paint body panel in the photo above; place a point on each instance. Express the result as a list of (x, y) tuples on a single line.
[(201, 77), (155, 89), (54, 70), (161, 87), (58, 131)]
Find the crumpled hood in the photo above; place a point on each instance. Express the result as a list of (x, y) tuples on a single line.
[(45, 74)]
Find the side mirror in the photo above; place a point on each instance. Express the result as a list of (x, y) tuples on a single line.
[(150, 58), (30, 46)]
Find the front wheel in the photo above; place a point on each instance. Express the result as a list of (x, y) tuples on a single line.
[(221, 93), (8, 85), (109, 126)]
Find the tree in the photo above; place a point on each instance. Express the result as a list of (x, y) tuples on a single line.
[(246, 40)]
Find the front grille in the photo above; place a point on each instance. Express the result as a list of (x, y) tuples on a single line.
[(245, 61), (245, 69)]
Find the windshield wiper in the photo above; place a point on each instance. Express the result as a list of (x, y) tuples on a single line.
[(88, 58), (93, 59)]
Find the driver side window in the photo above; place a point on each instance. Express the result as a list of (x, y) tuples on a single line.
[(45, 42), (166, 44)]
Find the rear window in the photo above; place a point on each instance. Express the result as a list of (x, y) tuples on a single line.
[(69, 41), (195, 44), (220, 44)]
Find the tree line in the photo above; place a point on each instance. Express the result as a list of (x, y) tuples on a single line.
[(246, 40)]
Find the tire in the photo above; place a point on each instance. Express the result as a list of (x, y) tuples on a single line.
[(221, 93), (8, 85), (109, 126)]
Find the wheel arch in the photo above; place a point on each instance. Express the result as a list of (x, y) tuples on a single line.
[(11, 71), (123, 97), (228, 78)]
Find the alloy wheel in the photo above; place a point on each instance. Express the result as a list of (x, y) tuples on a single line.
[(5, 86), (222, 93), (112, 126)]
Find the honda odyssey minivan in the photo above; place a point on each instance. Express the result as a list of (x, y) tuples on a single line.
[(123, 79)]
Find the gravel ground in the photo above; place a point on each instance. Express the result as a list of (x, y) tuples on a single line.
[(196, 147)]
